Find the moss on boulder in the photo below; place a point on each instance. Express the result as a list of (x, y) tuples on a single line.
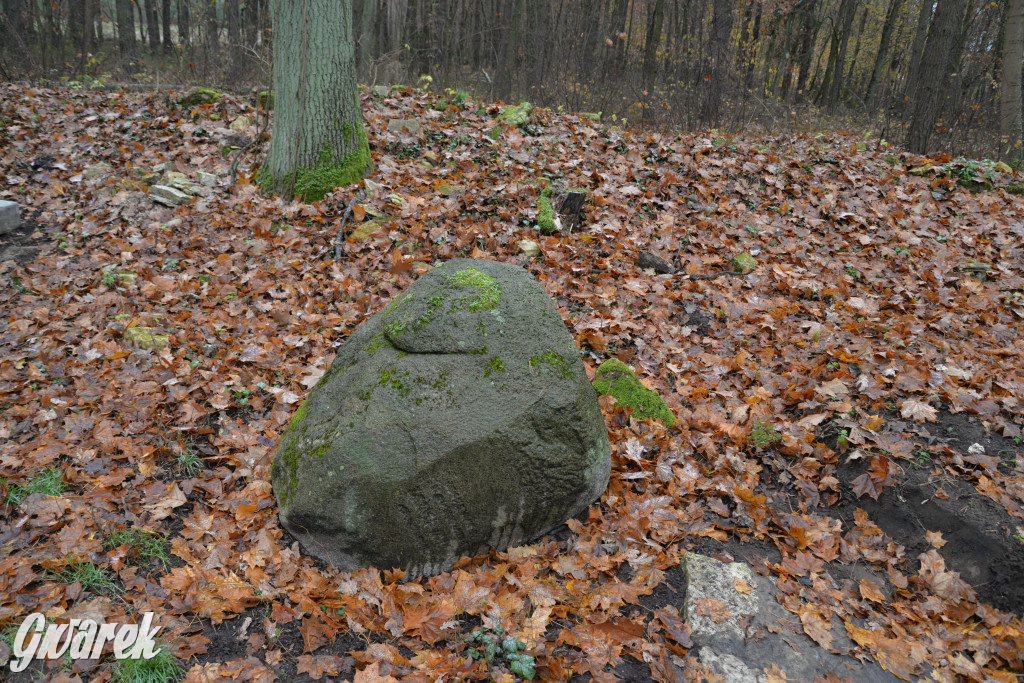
[(457, 419), (199, 96)]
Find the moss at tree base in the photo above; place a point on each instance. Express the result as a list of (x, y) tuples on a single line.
[(311, 184), (614, 378)]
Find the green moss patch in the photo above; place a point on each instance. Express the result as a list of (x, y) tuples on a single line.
[(311, 184), (554, 362), (518, 115), (616, 379), (200, 96), (545, 213)]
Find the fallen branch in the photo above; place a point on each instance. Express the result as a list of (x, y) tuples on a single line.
[(344, 219)]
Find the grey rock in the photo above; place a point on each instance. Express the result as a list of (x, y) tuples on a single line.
[(647, 260), (411, 125), (10, 217), (240, 123), (97, 171), (723, 621), (381, 90), (180, 182), (456, 420), (169, 196), (207, 179)]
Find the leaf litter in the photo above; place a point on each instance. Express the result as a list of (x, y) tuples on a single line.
[(866, 324)]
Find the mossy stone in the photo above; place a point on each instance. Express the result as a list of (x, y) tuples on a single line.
[(459, 418)]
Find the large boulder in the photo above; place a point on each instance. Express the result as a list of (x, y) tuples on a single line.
[(456, 420)]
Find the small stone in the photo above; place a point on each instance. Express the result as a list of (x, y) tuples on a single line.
[(240, 122), (371, 186), (97, 171), (10, 218), (529, 248), (976, 449), (144, 338), (207, 179), (381, 90), (200, 96), (449, 190), (168, 196), (179, 181), (365, 230), (410, 125), (430, 156), (126, 279), (743, 263), (649, 261), (518, 115)]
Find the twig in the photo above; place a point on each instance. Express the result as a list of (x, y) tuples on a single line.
[(344, 220), (712, 276)]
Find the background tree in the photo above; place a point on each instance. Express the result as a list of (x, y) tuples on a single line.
[(941, 55), (318, 141), (1010, 90)]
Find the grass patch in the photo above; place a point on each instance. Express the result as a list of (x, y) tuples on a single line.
[(162, 668), (147, 545), (763, 435), (49, 482), (93, 578), (188, 462)]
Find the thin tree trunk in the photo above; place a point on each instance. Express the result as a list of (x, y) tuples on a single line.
[(168, 43), (152, 26), (653, 39), (924, 17), (1010, 86), (318, 140), (721, 31), (185, 23), (883, 50), (236, 51), (808, 38), (126, 32), (938, 60)]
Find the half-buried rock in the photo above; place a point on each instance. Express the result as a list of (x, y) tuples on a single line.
[(456, 420)]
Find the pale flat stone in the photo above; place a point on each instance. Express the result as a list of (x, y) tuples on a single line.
[(168, 196), (10, 218)]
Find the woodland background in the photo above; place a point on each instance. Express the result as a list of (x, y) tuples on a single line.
[(923, 73)]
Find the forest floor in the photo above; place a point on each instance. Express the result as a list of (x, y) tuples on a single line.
[(850, 412)]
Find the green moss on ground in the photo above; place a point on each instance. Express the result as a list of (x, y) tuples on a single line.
[(518, 115), (200, 96), (545, 213), (616, 379)]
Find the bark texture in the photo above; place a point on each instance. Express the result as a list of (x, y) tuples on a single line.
[(318, 140), (941, 52), (1010, 90)]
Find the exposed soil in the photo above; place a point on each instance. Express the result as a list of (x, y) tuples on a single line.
[(24, 242), (929, 496)]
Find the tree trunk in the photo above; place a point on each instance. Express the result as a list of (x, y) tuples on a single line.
[(236, 51), (126, 32), (917, 49), (211, 30), (1010, 87), (939, 58), (166, 25), (653, 39), (185, 23), (153, 26), (318, 140), (883, 50), (721, 32), (808, 37), (848, 11)]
